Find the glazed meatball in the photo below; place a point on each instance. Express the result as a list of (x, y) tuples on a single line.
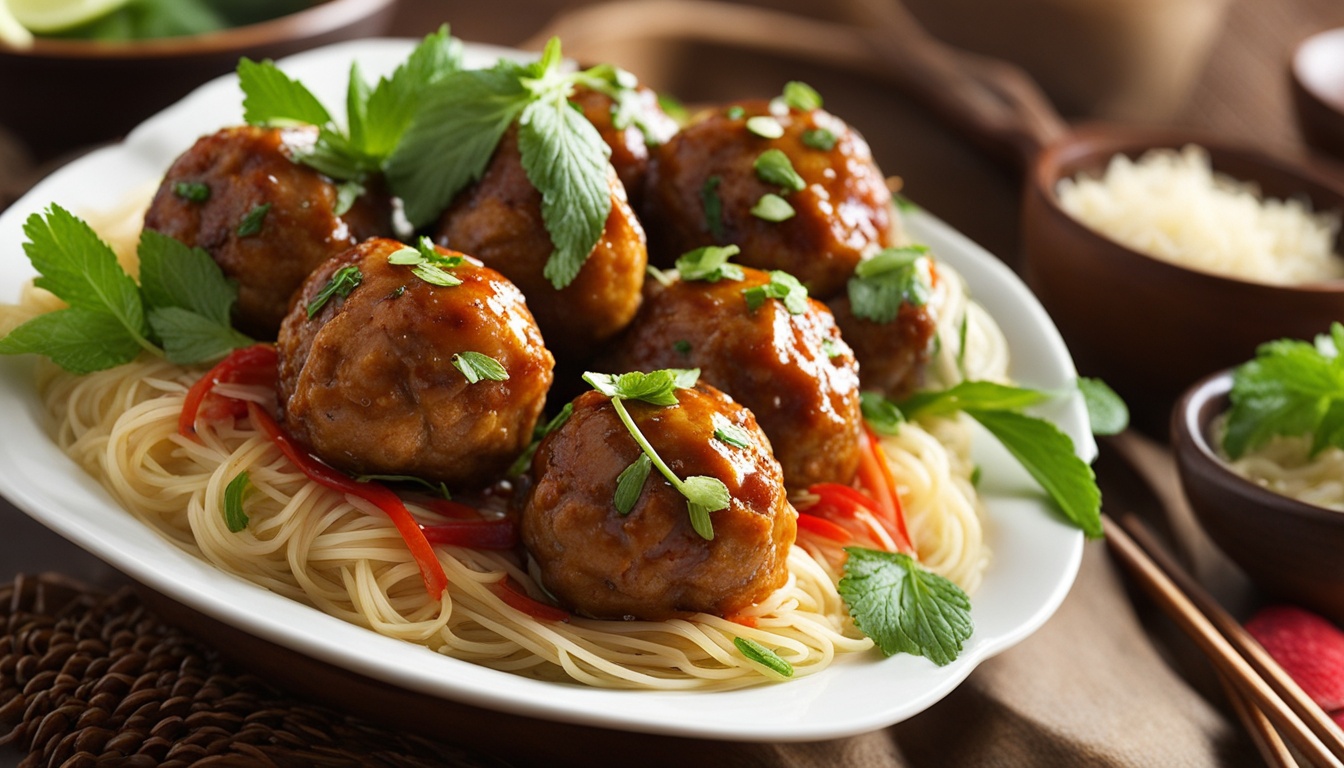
[(703, 185), (629, 145), (792, 371), (498, 220), (650, 563), (265, 219), (369, 381), (891, 356)]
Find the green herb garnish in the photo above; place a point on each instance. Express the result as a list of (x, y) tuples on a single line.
[(892, 277), (1292, 388), (782, 286), (234, 493), (703, 494), (759, 654), (683, 346), (253, 219), (772, 207), (1106, 412), (904, 608), (710, 264), (880, 413), (774, 167), (477, 366), (346, 195), (180, 311), (342, 282), (439, 489), (734, 112), (427, 263), (830, 348), (192, 191), (713, 206), (726, 431), (765, 126), (820, 138), (801, 96), (630, 483)]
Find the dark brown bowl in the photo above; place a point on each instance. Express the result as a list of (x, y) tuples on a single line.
[(1289, 547), (1147, 326), (1316, 76), (61, 95)]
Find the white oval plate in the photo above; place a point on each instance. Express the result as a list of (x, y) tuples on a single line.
[(1035, 555)]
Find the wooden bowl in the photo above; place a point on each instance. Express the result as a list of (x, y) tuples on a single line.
[(1150, 327), (1316, 76), (1289, 547), (61, 95)]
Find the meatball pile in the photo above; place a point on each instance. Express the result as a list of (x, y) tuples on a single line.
[(435, 360)]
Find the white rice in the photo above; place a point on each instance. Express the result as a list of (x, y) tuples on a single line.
[(1172, 205)]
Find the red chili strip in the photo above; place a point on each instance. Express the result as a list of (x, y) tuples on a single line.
[(505, 590), (820, 526), (248, 365), (875, 477), (431, 570), (501, 533)]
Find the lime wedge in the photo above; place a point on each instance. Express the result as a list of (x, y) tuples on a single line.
[(46, 16), (12, 33)]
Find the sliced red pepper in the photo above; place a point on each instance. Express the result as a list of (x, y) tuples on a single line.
[(820, 526), (431, 570), (500, 533), (875, 477), (247, 365), (505, 590), (449, 508)]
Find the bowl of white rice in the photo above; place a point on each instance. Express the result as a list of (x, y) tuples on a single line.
[(1163, 260)]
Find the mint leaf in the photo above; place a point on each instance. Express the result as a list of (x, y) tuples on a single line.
[(630, 483), (477, 366), (1291, 388), (82, 270), (341, 283), (173, 274), (1106, 412), (567, 161), (767, 658), (391, 106), (78, 340), (890, 278), (252, 220), (234, 493), (782, 286), (774, 167), (190, 338), (904, 608), (655, 388), (880, 413), (710, 264), (270, 97), (458, 123), (1047, 455), (979, 395)]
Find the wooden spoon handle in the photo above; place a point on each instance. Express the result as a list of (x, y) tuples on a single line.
[(994, 103)]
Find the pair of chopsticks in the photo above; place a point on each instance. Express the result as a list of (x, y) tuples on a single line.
[(1270, 704)]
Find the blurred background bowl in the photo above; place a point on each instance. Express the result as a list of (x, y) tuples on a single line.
[(1150, 327), (60, 95), (1289, 547), (1316, 73)]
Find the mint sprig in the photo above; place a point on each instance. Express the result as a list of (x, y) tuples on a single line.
[(181, 311), (904, 608), (782, 286), (1038, 445), (703, 494), (1292, 388), (890, 278)]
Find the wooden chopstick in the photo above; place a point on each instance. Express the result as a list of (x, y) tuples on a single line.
[(1267, 741), (1178, 605)]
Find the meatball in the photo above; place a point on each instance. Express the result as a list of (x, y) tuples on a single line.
[(793, 371), (266, 220), (498, 220), (703, 185), (369, 382), (629, 145), (891, 356), (650, 563)]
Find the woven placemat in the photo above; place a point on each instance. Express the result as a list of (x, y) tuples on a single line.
[(88, 678)]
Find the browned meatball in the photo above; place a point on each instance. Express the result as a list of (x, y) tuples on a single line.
[(650, 563), (841, 215), (369, 383), (248, 175), (629, 145), (891, 355), (498, 220), (793, 371)]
